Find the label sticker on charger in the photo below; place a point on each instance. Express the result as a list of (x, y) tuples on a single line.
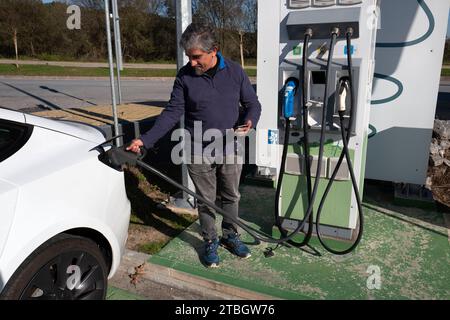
[(272, 136), (297, 50)]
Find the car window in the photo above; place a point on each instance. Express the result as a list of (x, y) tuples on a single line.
[(13, 136)]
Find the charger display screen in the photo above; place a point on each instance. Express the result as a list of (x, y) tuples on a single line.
[(318, 77)]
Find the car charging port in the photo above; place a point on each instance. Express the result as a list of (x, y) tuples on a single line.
[(117, 157)]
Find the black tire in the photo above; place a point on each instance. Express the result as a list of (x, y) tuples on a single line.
[(44, 275)]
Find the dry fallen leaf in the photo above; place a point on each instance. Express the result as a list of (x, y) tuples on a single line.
[(138, 271)]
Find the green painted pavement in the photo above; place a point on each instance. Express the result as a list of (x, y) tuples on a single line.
[(409, 246), (114, 293)]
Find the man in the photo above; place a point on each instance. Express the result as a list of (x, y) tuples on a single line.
[(208, 90)]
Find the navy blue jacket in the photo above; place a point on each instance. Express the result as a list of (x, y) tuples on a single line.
[(212, 100)]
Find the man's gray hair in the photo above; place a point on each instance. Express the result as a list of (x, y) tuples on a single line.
[(199, 36)]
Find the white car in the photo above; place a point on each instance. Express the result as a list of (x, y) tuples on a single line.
[(64, 213)]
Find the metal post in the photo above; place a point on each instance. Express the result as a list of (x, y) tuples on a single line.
[(119, 38), (111, 72), (183, 18), (115, 12)]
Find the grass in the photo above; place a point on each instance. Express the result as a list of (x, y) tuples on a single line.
[(249, 61), (55, 57), (152, 247), (445, 73), (250, 72), (175, 222), (40, 70), (147, 212), (45, 57), (155, 61), (45, 70)]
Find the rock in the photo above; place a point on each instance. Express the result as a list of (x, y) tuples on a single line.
[(428, 183), (434, 148), (445, 144), (442, 129), (447, 162), (437, 160)]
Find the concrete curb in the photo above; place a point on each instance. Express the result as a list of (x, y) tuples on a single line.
[(81, 64), (183, 285)]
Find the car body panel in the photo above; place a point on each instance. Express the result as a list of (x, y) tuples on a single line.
[(8, 199), (82, 131), (57, 183), (46, 152), (12, 115)]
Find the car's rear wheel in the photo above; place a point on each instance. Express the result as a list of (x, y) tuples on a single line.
[(64, 268)]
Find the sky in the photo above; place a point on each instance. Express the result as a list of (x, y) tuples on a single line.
[(448, 27)]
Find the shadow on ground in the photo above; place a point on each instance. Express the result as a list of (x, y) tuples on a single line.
[(381, 195)]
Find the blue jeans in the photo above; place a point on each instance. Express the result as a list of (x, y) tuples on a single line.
[(211, 180)]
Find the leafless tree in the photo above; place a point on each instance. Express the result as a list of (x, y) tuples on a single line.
[(233, 19), (91, 4), (222, 14), (11, 24)]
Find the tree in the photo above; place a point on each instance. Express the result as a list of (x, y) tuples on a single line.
[(246, 24), (235, 22), (250, 21), (90, 4), (221, 14), (148, 6), (19, 23), (170, 8), (148, 28), (156, 6)]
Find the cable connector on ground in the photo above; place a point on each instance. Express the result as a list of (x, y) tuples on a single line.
[(268, 253)]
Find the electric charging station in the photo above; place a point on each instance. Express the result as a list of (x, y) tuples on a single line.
[(409, 53), (286, 58)]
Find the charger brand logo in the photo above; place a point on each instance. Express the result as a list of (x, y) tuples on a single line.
[(273, 137), (352, 50)]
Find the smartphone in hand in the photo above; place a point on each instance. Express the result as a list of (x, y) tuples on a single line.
[(241, 130)]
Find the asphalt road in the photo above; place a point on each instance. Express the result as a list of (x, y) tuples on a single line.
[(29, 94), (443, 105), (70, 93)]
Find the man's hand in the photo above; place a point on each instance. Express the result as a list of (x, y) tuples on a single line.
[(245, 128), (135, 146)]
